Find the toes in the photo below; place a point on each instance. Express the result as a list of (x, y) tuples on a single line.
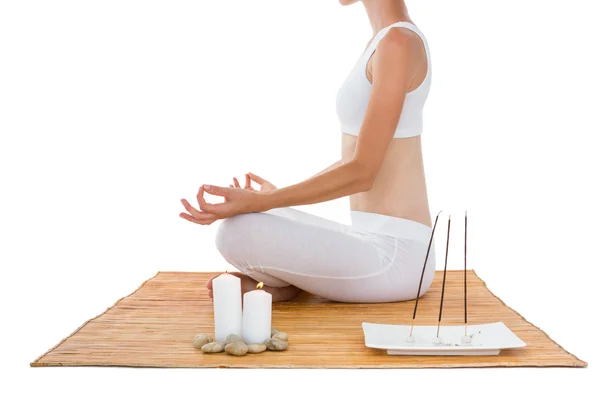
[(285, 293)]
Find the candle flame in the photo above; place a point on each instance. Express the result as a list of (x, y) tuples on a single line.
[(260, 285)]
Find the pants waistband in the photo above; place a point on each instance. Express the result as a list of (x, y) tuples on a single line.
[(391, 226)]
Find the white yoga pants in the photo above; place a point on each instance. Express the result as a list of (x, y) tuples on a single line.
[(378, 258)]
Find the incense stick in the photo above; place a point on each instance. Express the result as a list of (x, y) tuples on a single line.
[(465, 273), (423, 273), (444, 279)]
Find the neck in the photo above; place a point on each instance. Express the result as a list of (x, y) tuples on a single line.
[(382, 13)]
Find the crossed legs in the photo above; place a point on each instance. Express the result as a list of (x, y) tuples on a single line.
[(290, 250)]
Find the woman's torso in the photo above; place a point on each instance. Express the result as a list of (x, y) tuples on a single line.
[(399, 189)]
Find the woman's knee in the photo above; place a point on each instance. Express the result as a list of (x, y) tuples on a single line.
[(234, 232)]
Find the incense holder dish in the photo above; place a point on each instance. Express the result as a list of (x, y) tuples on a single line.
[(485, 339)]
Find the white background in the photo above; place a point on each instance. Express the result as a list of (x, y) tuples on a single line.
[(112, 111)]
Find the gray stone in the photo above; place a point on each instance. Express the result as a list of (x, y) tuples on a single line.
[(201, 339), (276, 344), (213, 347), (236, 348), (256, 348), (281, 336)]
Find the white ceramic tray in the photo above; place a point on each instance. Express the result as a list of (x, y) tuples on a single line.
[(486, 339)]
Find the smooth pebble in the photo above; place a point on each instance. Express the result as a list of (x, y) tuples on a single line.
[(233, 338), (236, 348), (201, 339), (213, 347), (281, 336), (276, 344), (273, 331), (256, 348)]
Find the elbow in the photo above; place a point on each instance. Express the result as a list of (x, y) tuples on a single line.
[(365, 184), (364, 177)]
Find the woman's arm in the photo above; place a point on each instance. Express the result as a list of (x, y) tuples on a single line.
[(343, 180), (391, 79), (332, 166), (392, 75)]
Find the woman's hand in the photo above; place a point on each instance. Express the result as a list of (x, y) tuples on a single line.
[(265, 185), (236, 201)]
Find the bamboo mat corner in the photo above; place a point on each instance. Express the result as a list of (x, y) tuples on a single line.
[(154, 327)]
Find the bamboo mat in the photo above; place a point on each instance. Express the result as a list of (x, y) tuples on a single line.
[(154, 327)]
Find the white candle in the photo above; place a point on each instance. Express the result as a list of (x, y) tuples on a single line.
[(256, 325), (227, 296)]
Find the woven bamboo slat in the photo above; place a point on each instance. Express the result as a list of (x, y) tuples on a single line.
[(154, 327)]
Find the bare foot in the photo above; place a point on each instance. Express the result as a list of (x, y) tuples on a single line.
[(279, 293)]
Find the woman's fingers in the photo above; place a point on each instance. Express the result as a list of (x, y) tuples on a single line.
[(206, 221), (248, 182), (237, 184), (194, 213), (256, 178), (208, 212), (265, 185), (215, 190), (196, 216), (219, 209), (200, 197)]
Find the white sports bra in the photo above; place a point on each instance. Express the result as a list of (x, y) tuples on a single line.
[(353, 95)]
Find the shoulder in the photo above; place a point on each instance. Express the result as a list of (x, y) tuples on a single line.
[(399, 47), (394, 50), (396, 41)]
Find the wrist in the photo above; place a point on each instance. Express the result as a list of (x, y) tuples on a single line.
[(265, 201)]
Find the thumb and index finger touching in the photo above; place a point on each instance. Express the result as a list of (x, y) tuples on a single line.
[(215, 209), (224, 191), (216, 190), (221, 191)]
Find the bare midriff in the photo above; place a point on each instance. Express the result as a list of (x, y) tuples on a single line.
[(399, 190)]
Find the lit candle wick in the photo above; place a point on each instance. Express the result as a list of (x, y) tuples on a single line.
[(260, 285)]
